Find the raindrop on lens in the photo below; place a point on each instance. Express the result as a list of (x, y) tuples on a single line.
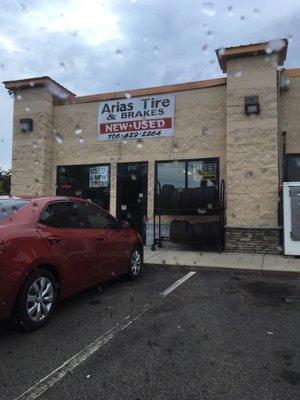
[(81, 140), (175, 147), (275, 45), (209, 34), (208, 8), (204, 48), (230, 11), (139, 143), (119, 53), (133, 177), (238, 74), (78, 130), (201, 211), (127, 95), (58, 137), (19, 97), (242, 17), (62, 65), (256, 11), (31, 83), (221, 51), (27, 109), (155, 50)]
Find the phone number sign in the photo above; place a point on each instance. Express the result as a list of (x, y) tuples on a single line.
[(136, 118)]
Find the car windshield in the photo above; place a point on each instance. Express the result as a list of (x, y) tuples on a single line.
[(10, 206)]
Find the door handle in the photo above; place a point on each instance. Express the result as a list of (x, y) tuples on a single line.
[(100, 238), (55, 239)]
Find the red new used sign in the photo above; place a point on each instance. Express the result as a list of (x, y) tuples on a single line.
[(115, 127)]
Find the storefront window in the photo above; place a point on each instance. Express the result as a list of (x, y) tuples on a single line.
[(188, 174), (293, 168), (85, 181)]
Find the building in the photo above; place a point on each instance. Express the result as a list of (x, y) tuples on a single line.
[(113, 147)]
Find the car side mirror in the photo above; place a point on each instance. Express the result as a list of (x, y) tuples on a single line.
[(124, 224)]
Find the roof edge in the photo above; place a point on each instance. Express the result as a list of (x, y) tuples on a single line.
[(177, 87), (41, 81), (248, 50)]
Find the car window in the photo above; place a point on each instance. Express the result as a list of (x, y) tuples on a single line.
[(10, 206), (62, 215), (98, 218)]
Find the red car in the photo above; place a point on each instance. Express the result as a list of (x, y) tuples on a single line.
[(52, 247)]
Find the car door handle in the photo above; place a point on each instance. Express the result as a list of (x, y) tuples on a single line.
[(55, 239), (100, 238)]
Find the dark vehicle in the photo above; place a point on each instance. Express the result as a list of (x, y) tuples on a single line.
[(53, 247)]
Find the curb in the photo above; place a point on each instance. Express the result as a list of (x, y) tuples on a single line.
[(230, 270)]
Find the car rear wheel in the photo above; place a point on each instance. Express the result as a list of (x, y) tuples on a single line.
[(36, 301), (136, 263)]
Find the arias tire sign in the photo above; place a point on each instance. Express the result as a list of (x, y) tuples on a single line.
[(136, 118)]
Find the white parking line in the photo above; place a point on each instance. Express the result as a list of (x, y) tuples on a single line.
[(177, 283), (51, 379), (55, 376)]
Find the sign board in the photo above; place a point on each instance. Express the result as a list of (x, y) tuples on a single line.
[(136, 118), (99, 176)]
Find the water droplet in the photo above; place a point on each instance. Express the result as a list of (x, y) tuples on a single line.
[(31, 83), (208, 8), (78, 130), (133, 177), (275, 45), (242, 17), (139, 143), (175, 147), (119, 53), (155, 50), (22, 6), (209, 206), (204, 131), (119, 86), (279, 249), (221, 51), (209, 34), (2, 66), (62, 65), (127, 95), (81, 140), (204, 48), (14, 210), (290, 38), (18, 97), (230, 11), (256, 11), (27, 109), (124, 142), (58, 137), (248, 174), (145, 39), (212, 61), (238, 74), (201, 211)]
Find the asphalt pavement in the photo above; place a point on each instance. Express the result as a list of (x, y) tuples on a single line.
[(213, 336)]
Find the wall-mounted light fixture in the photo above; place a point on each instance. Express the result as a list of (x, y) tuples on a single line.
[(26, 125), (252, 105)]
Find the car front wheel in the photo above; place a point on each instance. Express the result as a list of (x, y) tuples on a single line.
[(136, 263), (36, 301)]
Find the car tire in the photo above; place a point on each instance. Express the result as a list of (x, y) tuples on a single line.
[(36, 301), (135, 264)]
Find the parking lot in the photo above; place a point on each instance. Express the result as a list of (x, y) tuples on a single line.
[(214, 336)]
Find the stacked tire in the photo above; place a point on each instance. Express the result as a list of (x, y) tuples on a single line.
[(186, 232), (188, 199)]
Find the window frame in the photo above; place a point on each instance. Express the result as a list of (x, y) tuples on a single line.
[(186, 161), (86, 222), (93, 205), (86, 166), (286, 158)]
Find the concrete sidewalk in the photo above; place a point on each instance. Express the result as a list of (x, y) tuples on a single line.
[(207, 260)]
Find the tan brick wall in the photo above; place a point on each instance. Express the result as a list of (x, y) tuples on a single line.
[(290, 115), (194, 110), (252, 144), (32, 152)]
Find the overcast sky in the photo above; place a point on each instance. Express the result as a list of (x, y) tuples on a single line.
[(94, 46)]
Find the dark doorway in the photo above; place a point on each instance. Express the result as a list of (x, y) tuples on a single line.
[(132, 195)]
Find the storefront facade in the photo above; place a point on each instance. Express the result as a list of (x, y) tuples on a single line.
[(116, 148)]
